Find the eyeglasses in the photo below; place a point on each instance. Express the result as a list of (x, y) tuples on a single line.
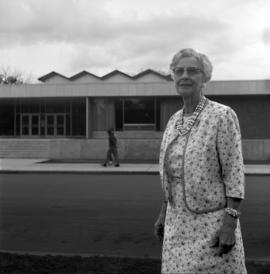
[(191, 71)]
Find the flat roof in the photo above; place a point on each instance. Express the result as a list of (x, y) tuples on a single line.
[(109, 89)]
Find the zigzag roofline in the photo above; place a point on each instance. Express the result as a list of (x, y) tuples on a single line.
[(81, 74), (51, 74), (76, 76)]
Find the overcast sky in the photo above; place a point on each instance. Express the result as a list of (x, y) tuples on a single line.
[(67, 36)]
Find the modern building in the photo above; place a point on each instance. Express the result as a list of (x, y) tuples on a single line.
[(67, 117)]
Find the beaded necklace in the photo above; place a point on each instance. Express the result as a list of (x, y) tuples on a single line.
[(180, 122)]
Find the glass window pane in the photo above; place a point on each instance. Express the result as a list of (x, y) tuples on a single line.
[(50, 120), (35, 131), (25, 131), (18, 125), (52, 107), (7, 119), (18, 107), (50, 131), (42, 107), (30, 107), (25, 120), (42, 125), (78, 118), (35, 120), (139, 111), (60, 131), (68, 125), (157, 114), (119, 114), (34, 124), (67, 107), (60, 119)]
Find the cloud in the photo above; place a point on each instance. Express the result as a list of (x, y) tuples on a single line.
[(26, 22), (266, 37), (148, 42), (92, 23), (37, 23), (101, 35)]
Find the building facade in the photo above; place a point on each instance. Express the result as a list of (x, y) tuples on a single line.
[(67, 118)]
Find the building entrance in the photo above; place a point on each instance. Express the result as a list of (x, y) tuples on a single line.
[(55, 124), (43, 118), (30, 124)]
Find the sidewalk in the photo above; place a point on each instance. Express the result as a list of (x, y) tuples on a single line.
[(40, 165)]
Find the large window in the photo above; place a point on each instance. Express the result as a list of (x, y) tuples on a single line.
[(78, 118), (137, 114), (7, 119)]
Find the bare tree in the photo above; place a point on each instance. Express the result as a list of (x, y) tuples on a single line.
[(9, 76)]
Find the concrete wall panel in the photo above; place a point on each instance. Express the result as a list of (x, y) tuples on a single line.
[(150, 78), (139, 149), (120, 85), (168, 106), (253, 113), (86, 79), (118, 78), (256, 150), (57, 80)]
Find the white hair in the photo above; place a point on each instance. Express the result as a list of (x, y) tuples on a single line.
[(203, 60)]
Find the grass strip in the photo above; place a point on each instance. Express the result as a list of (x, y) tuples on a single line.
[(35, 264)]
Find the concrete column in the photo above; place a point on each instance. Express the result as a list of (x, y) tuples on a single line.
[(110, 114), (89, 118)]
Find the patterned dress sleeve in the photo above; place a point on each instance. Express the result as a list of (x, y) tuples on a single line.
[(230, 154)]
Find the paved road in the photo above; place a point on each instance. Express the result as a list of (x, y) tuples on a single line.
[(107, 214)]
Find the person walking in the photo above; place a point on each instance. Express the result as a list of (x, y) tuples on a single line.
[(112, 153)]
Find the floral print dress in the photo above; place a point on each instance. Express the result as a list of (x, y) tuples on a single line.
[(188, 236)]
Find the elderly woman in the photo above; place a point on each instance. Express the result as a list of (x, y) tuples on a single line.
[(202, 175)]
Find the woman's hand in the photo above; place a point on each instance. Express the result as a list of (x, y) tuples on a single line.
[(160, 223), (159, 229), (225, 238)]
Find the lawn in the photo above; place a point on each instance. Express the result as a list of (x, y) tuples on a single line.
[(19, 264)]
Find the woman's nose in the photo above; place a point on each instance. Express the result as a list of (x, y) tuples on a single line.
[(185, 74)]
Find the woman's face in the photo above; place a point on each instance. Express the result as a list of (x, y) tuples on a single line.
[(188, 77)]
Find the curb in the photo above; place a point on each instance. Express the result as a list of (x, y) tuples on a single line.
[(109, 172), (142, 172)]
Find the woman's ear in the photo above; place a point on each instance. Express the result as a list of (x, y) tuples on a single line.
[(203, 85)]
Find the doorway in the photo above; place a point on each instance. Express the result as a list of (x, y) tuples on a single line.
[(30, 124), (55, 124)]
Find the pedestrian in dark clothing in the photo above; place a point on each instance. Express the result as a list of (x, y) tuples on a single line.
[(112, 151)]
